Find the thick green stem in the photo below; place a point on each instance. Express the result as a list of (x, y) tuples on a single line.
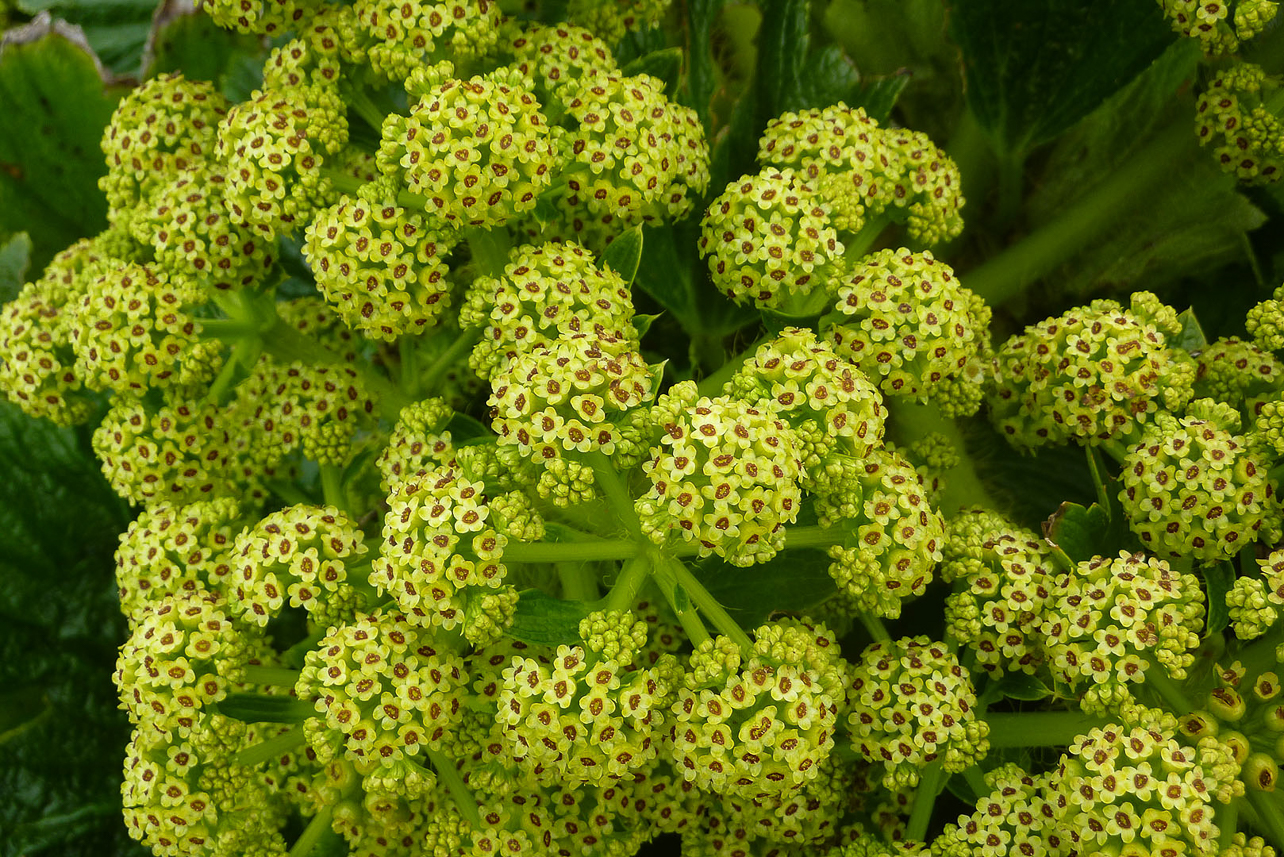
[(227, 329), (617, 493), (1011, 191), (288, 492), (579, 582), (341, 181), (814, 537), (332, 487), (625, 589), (449, 774), (430, 378), (963, 487), (929, 787), (571, 551), (1039, 728), (408, 351), (858, 245), (312, 835), (976, 781), (1094, 214), (271, 676), (1158, 680), (1270, 819), (225, 380), (1227, 815), (490, 250), (359, 100), (271, 748), (678, 573), (711, 385), (874, 627)]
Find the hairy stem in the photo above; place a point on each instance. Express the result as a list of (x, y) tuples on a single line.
[(814, 537), (430, 378), (271, 676), (312, 835), (332, 487), (1039, 728), (408, 377), (625, 589), (1158, 680), (1094, 214), (874, 626), (617, 493), (678, 573)]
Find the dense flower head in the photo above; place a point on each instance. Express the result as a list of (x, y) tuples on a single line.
[(547, 292), (134, 330), (592, 715), (1236, 372), (181, 656), (311, 407), (184, 793), (831, 405), (768, 239), (567, 397), (173, 454), (268, 17), (1254, 602), (1018, 817), (1091, 374), (37, 362), (1137, 786), (172, 549), (273, 146), (928, 187), (186, 223), (725, 477), (419, 442), (159, 130), (406, 35), (1192, 487), (997, 606), (632, 154), (893, 535), (311, 315), (1110, 620), (843, 151), (759, 724), (907, 322), (611, 19), (1265, 322), (1219, 26), (970, 537), (478, 152), (381, 265), (912, 704), (557, 58), (384, 688), (439, 549), (1238, 117), (299, 556)]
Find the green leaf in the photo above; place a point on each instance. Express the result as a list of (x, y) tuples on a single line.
[(1025, 688), (1191, 338), (702, 76), (662, 275), (56, 104), (1218, 580), (664, 64), (463, 428), (15, 255), (116, 30), (784, 42), (543, 620), (1034, 69), (624, 254), (793, 582), (1077, 531), (878, 95), (187, 41)]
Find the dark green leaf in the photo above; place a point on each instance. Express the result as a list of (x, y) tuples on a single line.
[(664, 64), (260, 708), (1218, 580), (1080, 532), (56, 105), (1025, 688), (15, 255), (116, 30), (662, 274), (878, 95), (642, 323), (187, 41), (464, 428), (1034, 69), (624, 254), (702, 78), (827, 76), (544, 620), (794, 582), (784, 42), (1191, 338)]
